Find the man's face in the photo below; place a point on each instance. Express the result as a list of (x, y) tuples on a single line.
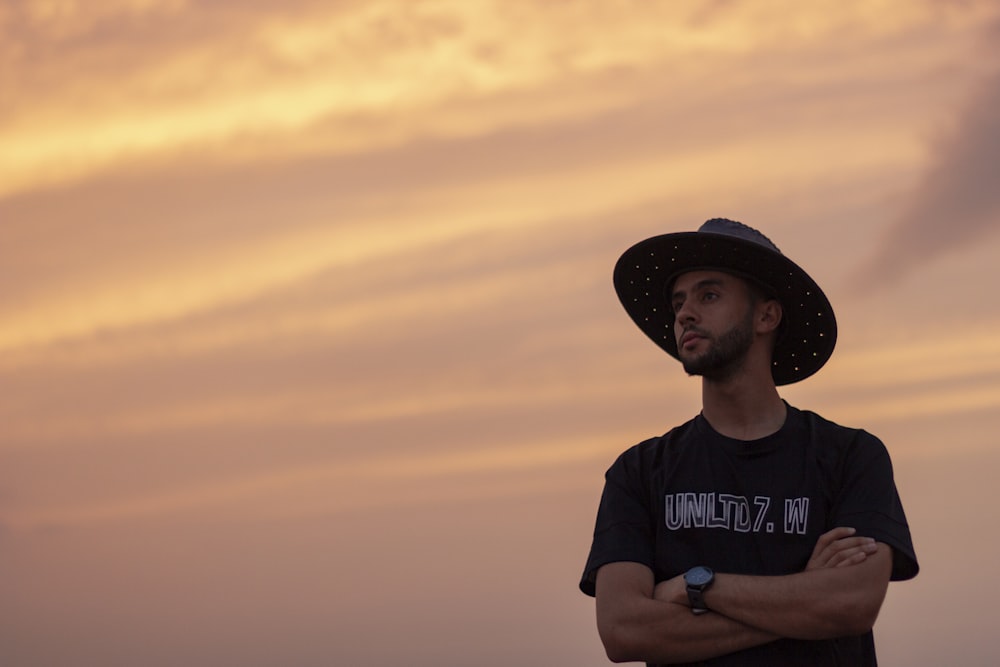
[(713, 323)]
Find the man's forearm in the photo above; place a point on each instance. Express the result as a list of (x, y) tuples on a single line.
[(637, 623), (816, 604), (665, 632)]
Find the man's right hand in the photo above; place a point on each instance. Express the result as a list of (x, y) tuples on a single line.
[(840, 548)]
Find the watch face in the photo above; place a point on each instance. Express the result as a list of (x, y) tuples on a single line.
[(698, 576)]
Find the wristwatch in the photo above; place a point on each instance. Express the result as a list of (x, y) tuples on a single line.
[(698, 579)]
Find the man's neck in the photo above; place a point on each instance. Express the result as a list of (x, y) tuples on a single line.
[(744, 407)]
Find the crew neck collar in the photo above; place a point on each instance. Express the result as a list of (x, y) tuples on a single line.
[(758, 446)]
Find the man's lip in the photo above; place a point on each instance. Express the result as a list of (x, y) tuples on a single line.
[(689, 337)]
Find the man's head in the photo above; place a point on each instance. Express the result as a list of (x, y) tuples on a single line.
[(722, 323), (648, 274)]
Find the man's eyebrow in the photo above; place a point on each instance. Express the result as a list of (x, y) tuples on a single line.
[(701, 284)]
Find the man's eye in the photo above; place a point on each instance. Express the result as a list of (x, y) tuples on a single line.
[(709, 296)]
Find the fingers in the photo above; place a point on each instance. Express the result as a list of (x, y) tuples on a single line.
[(827, 538), (672, 590), (840, 548), (855, 556)]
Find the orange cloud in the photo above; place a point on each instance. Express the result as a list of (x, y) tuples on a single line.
[(266, 79), (176, 284)]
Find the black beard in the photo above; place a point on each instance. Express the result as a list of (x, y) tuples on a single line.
[(726, 355)]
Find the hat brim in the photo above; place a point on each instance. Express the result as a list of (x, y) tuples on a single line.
[(646, 270)]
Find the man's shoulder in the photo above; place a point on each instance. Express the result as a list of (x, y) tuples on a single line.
[(652, 451), (831, 432), (818, 421), (677, 434)]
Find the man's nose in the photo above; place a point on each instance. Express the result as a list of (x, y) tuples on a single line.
[(685, 313)]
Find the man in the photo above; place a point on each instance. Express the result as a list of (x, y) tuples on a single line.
[(756, 533)]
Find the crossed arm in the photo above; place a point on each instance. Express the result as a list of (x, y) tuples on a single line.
[(838, 594)]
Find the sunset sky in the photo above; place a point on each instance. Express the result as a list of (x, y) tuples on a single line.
[(309, 351)]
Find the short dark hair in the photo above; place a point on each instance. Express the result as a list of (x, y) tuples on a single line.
[(758, 291)]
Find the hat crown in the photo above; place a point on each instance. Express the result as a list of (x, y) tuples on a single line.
[(728, 227)]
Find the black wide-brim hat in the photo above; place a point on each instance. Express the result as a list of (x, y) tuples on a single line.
[(646, 272)]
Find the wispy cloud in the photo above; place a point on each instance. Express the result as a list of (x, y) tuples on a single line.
[(86, 91), (957, 201), (218, 241)]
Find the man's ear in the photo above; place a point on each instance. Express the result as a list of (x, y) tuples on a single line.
[(769, 315)]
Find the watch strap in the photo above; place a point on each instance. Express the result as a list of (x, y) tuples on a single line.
[(696, 596)]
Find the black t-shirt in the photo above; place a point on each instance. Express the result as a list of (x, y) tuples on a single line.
[(695, 497)]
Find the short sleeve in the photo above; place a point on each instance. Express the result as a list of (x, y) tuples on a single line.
[(624, 527), (868, 501)]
